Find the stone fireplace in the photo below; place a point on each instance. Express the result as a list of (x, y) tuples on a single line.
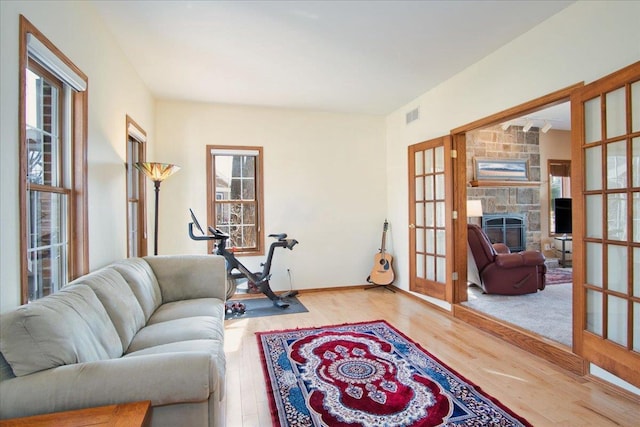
[(509, 229), (517, 199)]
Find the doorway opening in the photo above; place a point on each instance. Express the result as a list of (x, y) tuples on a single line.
[(527, 136)]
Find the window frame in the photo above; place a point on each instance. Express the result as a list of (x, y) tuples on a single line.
[(212, 200), (136, 137), (565, 189), (75, 177)]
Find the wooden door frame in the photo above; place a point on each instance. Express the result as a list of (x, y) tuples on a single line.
[(531, 342)]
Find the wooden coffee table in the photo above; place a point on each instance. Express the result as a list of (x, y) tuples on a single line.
[(136, 414)]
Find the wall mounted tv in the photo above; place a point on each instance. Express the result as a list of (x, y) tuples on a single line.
[(562, 210)]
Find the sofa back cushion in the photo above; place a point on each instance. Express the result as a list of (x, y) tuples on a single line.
[(70, 326), (118, 299), (189, 276), (142, 282)]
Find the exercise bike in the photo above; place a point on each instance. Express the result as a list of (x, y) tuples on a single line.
[(237, 271)]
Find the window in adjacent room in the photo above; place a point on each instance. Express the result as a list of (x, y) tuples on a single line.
[(53, 201), (559, 186), (235, 196), (136, 195)]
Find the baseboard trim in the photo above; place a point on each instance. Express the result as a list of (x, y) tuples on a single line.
[(546, 349)]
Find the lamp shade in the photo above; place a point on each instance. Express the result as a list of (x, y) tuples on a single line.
[(474, 208), (157, 172)]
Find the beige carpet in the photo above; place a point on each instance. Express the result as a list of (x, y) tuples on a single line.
[(547, 312)]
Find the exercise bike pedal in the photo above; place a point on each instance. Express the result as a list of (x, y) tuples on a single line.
[(289, 294), (281, 304)]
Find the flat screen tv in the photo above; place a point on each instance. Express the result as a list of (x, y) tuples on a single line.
[(562, 210)]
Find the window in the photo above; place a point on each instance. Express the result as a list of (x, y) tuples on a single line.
[(234, 196), (53, 202), (559, 186), (136, 195)]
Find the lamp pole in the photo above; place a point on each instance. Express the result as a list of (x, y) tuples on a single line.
[(157, 172), (155, 230)]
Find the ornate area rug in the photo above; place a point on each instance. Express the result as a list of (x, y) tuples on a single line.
[(556, 276), (368, 374)]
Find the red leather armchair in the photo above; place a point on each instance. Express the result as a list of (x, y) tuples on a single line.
[(502, 272)]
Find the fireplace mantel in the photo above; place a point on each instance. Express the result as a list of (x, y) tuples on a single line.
[(490, 183)]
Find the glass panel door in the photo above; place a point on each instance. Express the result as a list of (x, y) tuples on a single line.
[(609, 296), (429, 217)]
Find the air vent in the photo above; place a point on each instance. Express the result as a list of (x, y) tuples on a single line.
[(413, 115)]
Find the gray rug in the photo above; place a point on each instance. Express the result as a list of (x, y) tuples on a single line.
[(261, 307), (547, 312)]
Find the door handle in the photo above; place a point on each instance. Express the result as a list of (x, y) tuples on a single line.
[(412, 226)]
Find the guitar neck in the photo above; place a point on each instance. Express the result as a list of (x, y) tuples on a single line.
[(384, 237)]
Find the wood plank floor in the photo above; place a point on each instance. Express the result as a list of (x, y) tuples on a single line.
[(534, 388)]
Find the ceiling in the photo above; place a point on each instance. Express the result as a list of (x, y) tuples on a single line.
[(368, 57), (557, 116)]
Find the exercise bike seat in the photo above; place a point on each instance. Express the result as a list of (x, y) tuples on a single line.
[(280, 236)]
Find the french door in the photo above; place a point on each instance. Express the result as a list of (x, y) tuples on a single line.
[(606, 124), (430, 224)]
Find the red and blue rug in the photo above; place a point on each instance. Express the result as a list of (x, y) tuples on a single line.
[(368, 374), (556, 276)]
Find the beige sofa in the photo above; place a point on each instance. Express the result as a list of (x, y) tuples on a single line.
[(139, 329)]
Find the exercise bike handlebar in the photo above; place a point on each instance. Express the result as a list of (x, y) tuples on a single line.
[(200, 237), (215, 234), (220, 235)]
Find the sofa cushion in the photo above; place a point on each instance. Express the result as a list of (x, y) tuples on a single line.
[(70, 326), (142, 281), (191, 328), (186, 277), (119, 301), (214, 348), (5, 369), (188, 308)]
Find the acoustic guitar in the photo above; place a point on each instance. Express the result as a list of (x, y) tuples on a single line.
[(382, 272)]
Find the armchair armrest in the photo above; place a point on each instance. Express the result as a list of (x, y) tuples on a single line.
[(501, 248), (183, 277), (519, 259), (162, 378)]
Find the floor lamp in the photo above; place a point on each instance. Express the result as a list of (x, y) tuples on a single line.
[(474, 210), (157, 172)]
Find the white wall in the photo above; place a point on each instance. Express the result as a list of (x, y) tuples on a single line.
[(324, 185), (114, 91), (584, 42)]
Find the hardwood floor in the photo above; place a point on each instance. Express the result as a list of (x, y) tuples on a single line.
[(537, 390)]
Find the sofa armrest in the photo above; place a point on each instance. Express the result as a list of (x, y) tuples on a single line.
[(514, 260), (163, 379), (182, 277)]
